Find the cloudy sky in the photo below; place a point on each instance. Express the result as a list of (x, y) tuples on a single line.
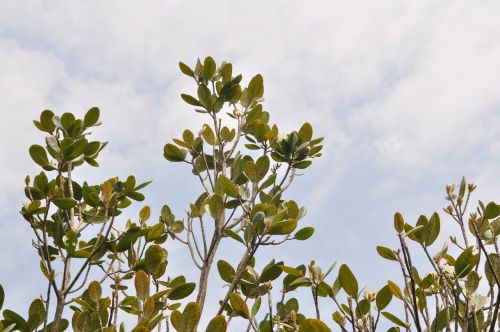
[(405, 93)]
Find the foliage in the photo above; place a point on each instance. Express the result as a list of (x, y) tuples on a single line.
[(244, 171)]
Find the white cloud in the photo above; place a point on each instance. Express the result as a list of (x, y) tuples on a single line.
[(405, 94)]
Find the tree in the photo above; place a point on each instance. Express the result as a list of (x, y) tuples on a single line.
[(244, 171)]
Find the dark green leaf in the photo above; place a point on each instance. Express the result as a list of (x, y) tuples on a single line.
[(348, 281), (91, 117)]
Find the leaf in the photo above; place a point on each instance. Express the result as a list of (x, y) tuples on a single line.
[(141, 285), (190, 317), (204, 95), (393, 319), (145, 213), (65, 202), (37, 307), (488, 271), (190, 100), (239, 305), (492, 211), (386, 253), (384, 297), (209, 67), (227, 186), (181, 291), (21, 324), (226, 271), (261, 168), (39, 155), (271, 271), (153, 257), (283, 227), (431, 230), (176, 320), (216, 206), (173, 153), (443, 319), (255, 88), (398, 222), (472, 281), (465, 262), (292, 271), (233, 235), (91, 117), (186, 70), (95, 291), (217, 324), (395, 290), (463, 184), (313, 325), (348, 281), (306, 132), (304, 233)]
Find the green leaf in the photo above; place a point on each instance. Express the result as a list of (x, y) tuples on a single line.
[(190, 317), (173, 153), (395, 290), (46, 121), (176, 320), (463, 184), (204, 95), (271, 271), (217, 324), (384, 297), (261, 168), (393, 319), (304, 233), (348, 281), (91, 117), (431, 230), (95, 291), (21, 324), (313, 325), (399, 222), (306, 132), (283, 227), (488, 271), (233, 235), (191, 100), (226, 271), (227, 186), (37, 307), (216, 206), (465, 262), (492, 211), (209, 67), (442, 320), (472, 281), (292, 271), (181, 291), (239, 305), (153, 257), (387, 253), (39, 155), (141, 285), (65, 202), (186, 70), (255, 88)]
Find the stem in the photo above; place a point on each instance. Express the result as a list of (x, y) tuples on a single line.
[(58, 313), (407, 258)]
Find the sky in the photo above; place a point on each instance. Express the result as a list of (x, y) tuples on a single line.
[(405, 94)]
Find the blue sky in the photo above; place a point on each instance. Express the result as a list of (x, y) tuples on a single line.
[(405, 93)]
